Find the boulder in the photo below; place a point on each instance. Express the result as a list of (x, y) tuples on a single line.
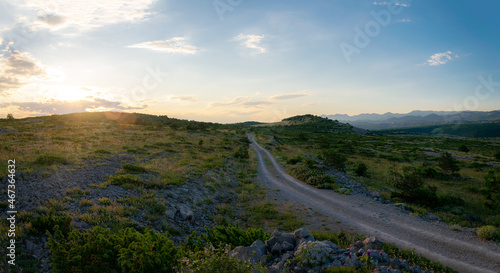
[(314, 253), (372, 243), (287, 246), (276, 249), (252, 253), (184, 213)]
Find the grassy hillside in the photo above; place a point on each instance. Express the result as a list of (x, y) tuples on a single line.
[(407, 169), (116, 192), (463, 130)]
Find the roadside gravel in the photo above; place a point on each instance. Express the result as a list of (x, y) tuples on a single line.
[(462, 251)]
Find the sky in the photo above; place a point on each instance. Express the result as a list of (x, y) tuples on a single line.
[(240, 60)]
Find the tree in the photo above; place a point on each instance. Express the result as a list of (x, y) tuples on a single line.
[(10, 116), (491, 191), (463, 148), (448, 163)]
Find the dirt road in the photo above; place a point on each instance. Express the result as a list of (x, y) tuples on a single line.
[(436, 241)]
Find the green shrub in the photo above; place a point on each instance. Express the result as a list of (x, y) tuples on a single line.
[(312, 176), (101, 151), (104, 201), (294, 160), (491, 191), (133, 168), (335, 159), (411, 189), (121, 180), (50, 159), (463, 148), (212, 260), (447, 163), (234, 236), (361, 169), (241, 153), (489, 233), (414, 258), (44, 223), (85, 203), (101, 250), (430, 172)]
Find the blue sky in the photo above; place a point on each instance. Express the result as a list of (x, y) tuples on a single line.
[(239, 60)]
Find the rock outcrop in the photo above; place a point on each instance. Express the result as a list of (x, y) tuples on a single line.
[(300, 252)]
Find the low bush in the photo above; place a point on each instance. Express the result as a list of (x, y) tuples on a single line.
[(50, 159), (411, 189), (489, 233), (215, 260), (241, 153), (313, 176), (131, 168), (335, 159), (361, 169), (121, 180), (234, 236), (100, 250), (294, 160), (44, 223)]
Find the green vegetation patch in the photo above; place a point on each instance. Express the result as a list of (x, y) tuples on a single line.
[(50, 159)]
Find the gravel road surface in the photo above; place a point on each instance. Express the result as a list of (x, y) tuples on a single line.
[(461, 251)]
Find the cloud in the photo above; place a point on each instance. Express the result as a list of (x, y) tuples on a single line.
[(392, 2), (309, 104), (18, 69), (440, 58), (185, 98), (235, 101), (87, 15), (65, 107), (246, 102), (288, 96), (251, 41), (52, 20), (174, 45)]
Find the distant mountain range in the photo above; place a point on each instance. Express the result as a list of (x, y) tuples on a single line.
[(415, 118)]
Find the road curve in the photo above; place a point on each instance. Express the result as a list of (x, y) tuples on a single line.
[(436, 241)]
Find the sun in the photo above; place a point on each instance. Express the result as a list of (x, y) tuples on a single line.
[(71, 93)]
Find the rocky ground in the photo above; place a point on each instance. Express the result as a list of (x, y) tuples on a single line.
[(186, 206), (299, 252)]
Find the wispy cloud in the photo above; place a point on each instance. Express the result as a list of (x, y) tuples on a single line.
[(385, 3), (288, 96), (86, 15), (247, 102), (235, 101), (174, 45), (185, 98), (251, 41), (440, 58), (18, 69), (404, 20), (65, 107)]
